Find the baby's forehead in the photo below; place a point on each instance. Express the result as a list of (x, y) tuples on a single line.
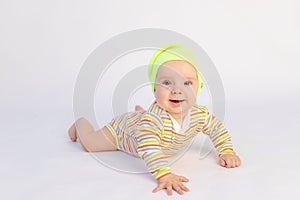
[(177, 69)]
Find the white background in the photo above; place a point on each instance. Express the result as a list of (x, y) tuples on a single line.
[(255, 46)]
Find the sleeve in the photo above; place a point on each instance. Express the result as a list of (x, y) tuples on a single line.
[(148, 138), (218, 134)]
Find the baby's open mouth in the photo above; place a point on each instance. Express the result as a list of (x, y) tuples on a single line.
[(176, 101)]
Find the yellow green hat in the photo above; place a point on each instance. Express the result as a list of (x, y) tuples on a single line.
[(169, 53)]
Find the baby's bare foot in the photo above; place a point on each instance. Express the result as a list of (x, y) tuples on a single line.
[(72, 133)]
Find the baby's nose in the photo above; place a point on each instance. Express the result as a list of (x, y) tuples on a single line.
[(176, 90)]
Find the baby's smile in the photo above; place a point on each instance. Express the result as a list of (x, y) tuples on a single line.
[(176, 100)]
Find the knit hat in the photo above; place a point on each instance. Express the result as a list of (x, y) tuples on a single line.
[(169, 53)]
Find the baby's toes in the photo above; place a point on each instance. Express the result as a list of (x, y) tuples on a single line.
[(138, 108), (72, 133)]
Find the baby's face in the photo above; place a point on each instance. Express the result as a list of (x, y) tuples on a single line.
[(176, 87)]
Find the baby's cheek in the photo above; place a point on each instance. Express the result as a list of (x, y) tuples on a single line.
[(191, 93)]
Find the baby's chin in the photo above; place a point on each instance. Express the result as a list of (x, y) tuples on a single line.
[(178, 111)]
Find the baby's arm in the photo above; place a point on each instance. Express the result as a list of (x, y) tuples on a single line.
[(150, 151), (148, 146), (222, 141)]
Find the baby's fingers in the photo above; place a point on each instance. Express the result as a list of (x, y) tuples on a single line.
[(183, 179), (184, 188), (238, 162), (230, 161), (178, 189), (234, 162), (222, 162), (169, 189), (159, 187)]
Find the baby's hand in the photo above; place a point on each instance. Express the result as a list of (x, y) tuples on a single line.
[(229, 160), (172, 182)]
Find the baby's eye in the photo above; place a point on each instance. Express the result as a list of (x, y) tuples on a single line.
[(188, 83), (167, 82)]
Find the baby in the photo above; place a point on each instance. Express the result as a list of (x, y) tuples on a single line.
[(169, 124)]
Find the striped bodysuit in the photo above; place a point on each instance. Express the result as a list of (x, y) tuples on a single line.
[(151, 136)]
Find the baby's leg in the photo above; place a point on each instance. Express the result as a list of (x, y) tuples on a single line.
[(91, 140)]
